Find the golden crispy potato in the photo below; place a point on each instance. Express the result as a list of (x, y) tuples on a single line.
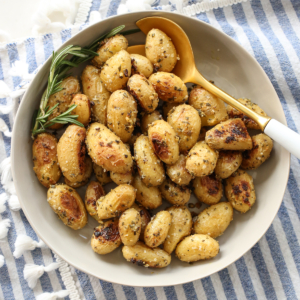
[(83, 109), (141, 65), (147, 119), (178, 172), (167, 107), (93, 192), (121, 178), (197, 247), (262, 147), (228, 162), (68, 205), (186, 122), (208, 189), (70, 86), (144, 256), (201, 160), (115, 202), (145, 217), (161, 51), (45, 164), (102, 176), (181, 226), (130, 225), (214, 220), (108, 48), (107, 150), (169, 87), (211, 109), (229, 135), (106, 237), (239, 191), (234, 113)]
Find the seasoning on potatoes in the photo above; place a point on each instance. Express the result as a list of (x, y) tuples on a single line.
[(262, 147), (161, 51), (106, 237), (147, 119), (130, 225), (102, 176), (115, 202), (197, 247), (45, 165), (108, 48), (144, 256), (214, 220), (143, 92), (169, 87), (157, 229), (116, 71), (201, 160), (68, 205), (121, 178), (167, 107), (93, 192), (107, 150), (239, 191), (208, 189), (149, 166), (211, 109), (178, 172), (164, 141), (181, 226), (186, 122), (141, 65), (228, 162), (229, 135), (145, 217), (83, 109)]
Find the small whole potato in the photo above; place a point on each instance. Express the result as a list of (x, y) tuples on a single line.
[(93, 192), (228, 162), (130, 225), (106, 237), (186, 122), (169, 87), (181, 226), (116, 71), (145, 217), (167, 107), (160, 50), (121, 178), (45, 163), (143, 92), (83, 109), (197, 247), (68, 205), (147, 119), (157, 229), (141, 65), (201, 160), (102, 176), (164, 141), (239, 191), (214, 220), (262, 147), (208, 189), (144, 256), (115, 202)]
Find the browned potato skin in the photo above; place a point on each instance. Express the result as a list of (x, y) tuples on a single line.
[(147, 119), (229, 135), (121, 178), (262, 147), (45, 165), (169, 87), (83, 109), (145, 217), (71, 153), (178, 172), (102, 177), (239, 191), (234, 113), (187, 124), (228, 162), (141, 65), (93, 192), (211, 109), (107, 150), (70, 87), (208, 189), (68, 205), (106, 237)]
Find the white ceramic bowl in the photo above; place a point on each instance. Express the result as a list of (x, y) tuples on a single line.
[(220, 59)]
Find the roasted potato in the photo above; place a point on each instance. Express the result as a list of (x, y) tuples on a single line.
[(239, 191), (147, 119), (228, 162), (121, 178), (214, 220), (229, 135), (68, 205), (83, 109), (93, 192), (141, 65), (262, 147), (45, 163), (167, 106), (102, 176), (145, 217)]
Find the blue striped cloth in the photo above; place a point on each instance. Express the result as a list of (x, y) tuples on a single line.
[(267, 29)]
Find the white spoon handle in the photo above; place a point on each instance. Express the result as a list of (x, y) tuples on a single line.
[(283, 135)]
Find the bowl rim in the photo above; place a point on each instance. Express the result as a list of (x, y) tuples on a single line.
[(14, 151)]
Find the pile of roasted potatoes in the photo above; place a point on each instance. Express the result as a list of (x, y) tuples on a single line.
[(152, 151)]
